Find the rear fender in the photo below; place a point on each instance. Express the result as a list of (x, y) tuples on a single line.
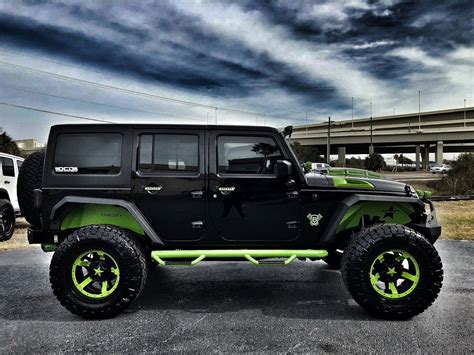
[(77, 211), (88, 214)]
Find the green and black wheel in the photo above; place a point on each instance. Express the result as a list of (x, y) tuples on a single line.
[(7, 220), (98, 271), (392, 271)]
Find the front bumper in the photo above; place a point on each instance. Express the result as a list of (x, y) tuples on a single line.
[(430, 229)]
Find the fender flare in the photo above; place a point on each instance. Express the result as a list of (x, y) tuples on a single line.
[(330, 231), (129, 206)]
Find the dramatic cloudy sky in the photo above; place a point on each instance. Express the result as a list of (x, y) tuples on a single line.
[(258, 62)]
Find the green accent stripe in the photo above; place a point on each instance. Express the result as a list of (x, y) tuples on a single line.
[(160, 256)]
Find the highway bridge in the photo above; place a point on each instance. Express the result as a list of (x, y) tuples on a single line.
[(419, 133)]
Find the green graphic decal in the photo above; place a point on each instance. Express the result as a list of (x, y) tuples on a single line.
[(346, 182), (394, 274), (85, 215), (354, 173), (387, 212), (95, 274)]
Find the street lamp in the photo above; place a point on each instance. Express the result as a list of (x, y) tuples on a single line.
[(353, 112), (328, 147), (419, 110), (371, 150), (464, 112)]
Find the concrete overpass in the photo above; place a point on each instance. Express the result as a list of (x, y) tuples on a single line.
[(434, 131)]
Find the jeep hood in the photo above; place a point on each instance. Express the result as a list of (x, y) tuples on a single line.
[(345, 182)]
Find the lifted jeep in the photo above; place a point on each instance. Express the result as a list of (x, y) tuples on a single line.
[(112, 200)]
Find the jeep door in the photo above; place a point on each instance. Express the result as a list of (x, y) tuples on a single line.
[(169, 182), (248, 202)]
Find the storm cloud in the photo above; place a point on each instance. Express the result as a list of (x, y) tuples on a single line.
[(279, 59)]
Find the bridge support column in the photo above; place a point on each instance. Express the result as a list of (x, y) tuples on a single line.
[(425, 158), (439, 152), (341, 156), (417, 157)]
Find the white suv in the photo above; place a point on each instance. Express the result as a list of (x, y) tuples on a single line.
[(320, 167), (9, 169)]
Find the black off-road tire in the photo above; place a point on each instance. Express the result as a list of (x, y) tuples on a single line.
[(29, 179), (334, 258), (7, 220), (126, 252), (361, 253)]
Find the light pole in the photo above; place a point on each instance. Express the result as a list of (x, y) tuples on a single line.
[(419, 110), (328, 147), (464, 112), (306, 122), (216, 114), (371, 149), (352, 112)]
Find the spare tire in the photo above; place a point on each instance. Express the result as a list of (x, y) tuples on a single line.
[(30, 178)]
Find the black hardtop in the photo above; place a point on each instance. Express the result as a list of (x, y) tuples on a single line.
[(102, 126)]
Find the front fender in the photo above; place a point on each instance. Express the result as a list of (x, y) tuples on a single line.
[(378, 208)]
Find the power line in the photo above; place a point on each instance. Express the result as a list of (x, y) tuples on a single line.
[(123, 77), (54, 112), (128, 91), (99, 103), (137, 93)]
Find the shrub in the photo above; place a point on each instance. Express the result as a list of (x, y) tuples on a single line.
[(374, 162), (460, 179)]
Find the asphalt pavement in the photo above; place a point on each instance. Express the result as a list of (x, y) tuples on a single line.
[(234, 307)]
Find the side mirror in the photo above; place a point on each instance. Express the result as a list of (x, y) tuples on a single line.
[(283, 169)]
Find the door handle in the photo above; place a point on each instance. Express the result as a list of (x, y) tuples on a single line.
[(6, 182), (197, 194), (152, 189), (197, 224)]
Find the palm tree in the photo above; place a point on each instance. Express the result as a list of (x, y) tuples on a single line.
[(7, 145)]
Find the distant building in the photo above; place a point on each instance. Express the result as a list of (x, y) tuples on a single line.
[(28, 146)]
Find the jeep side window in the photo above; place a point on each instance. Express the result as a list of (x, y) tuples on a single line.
[(8, 167), (168, 153), (247, 155), (91, 153)]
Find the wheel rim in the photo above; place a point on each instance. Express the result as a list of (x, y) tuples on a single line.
[(394, 274), (7, 221), (95, 274)]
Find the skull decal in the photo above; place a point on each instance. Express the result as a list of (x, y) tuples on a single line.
[(314, 219)]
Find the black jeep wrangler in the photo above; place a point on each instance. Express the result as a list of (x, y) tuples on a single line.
[(112, 201)]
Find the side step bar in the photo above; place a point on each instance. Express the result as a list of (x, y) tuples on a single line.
[(253, 256)]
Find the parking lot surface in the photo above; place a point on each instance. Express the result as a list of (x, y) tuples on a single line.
[(233, 307)]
